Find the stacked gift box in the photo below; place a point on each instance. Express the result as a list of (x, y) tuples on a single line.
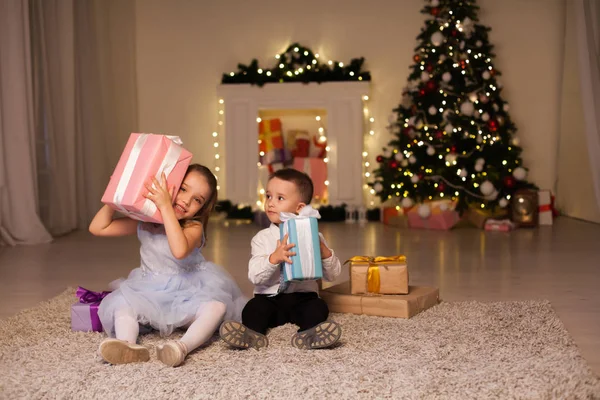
[(379, 286)]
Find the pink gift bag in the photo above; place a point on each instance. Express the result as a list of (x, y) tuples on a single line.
[(145, 156), (442, 216)]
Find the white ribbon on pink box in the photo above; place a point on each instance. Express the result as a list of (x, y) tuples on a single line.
[(145, 156)]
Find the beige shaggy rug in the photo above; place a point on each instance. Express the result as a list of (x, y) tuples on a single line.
[(465, 350)]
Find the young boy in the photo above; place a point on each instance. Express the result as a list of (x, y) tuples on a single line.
[(276, 302)]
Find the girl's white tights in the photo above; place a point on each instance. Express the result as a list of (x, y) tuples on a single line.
[(207, 320)]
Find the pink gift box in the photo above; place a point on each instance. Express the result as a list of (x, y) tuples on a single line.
[(499, 225), (443, 218), (545, 207), (145, 156), (316, 168)]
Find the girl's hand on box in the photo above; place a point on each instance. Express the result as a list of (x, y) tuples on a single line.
[(159, 193)]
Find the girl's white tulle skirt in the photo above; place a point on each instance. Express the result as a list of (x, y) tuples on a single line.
[(167, 302)]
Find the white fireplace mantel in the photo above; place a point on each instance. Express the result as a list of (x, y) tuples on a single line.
[(342, 102)]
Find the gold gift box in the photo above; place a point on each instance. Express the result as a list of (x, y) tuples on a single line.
[(378, 275)]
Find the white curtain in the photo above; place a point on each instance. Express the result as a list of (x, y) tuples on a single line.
[(19, 221), (84, 86), (587, 14)]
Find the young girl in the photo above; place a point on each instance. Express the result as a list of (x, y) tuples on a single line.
[(174, 285)]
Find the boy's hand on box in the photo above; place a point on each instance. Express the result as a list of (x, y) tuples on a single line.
[(325, 251), (159, 193), (282, 252)]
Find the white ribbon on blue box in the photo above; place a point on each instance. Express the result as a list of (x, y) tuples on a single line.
[(303, 231)]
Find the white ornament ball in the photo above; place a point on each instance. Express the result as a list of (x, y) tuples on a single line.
[(467, 108), (414, 178), (483, 98), (398, 156), (406, 202), (492, 196), (486, 75), (462, 45), (480, 161), (412, 159), (443, 58), (487, 188), (387, 153), (443, 206), (432, 110), (424, 211), (506, 107), (435, 3), (479, 139), (430, 150), (478, 167), (437, 38), (463, 173), (378, 187), (495, 107), (404, 163), (485, 117), (516, 141), (446, 76), (411, 121), (479, 43), (520, 173), (449, 128), (503, 203), (450, 158), (424, 76)]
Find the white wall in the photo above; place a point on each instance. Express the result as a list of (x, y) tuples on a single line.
[(184, 46)]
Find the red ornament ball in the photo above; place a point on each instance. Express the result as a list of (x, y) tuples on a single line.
[(434, 11), (509, 181), (463, 64), (393, 164), (453, 149), (422, 92), (379, 159), (421, 175), (429, 67), (439, 134), (493, 125), (431, 85), (454, 32), (417, 58), (441, 187)]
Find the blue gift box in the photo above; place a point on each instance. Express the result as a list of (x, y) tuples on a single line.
[(303, 231)]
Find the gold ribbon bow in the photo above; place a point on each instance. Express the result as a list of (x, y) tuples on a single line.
[(373, 276)]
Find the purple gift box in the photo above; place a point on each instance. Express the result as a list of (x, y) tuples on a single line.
[(84, 314)]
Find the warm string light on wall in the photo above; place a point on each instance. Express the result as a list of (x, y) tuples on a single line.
[(369, 132), (216, 141), (323, 139)]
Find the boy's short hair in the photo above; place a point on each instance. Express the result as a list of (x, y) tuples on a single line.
[(302, 181)]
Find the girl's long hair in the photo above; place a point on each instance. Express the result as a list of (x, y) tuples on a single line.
[(204, 213)]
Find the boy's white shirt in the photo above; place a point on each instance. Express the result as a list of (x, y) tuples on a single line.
[(265, 276)]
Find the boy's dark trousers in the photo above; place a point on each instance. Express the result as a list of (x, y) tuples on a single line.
[(304, 309)]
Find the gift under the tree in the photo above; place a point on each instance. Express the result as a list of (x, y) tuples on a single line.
[(146, 156), (303, 231), (84, 314), (378, 275), (419, 298), (316, 168), (478, 216), (387, 213), (546, 210), (398, 221), (499, 225), (438, 215)]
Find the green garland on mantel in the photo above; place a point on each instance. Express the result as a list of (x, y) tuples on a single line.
[(298, 64)]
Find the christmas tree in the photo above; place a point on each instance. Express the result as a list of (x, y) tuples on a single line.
[(453, 136)]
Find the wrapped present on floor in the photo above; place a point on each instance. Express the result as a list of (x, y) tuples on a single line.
[(546, 210), (84, 314), (398, 221), (270, 138), (302, 230), (316, 168), (499, 225), (387, 212), (438, 215), (378, 275), (419, 298), (145, 156), (477, 216)]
